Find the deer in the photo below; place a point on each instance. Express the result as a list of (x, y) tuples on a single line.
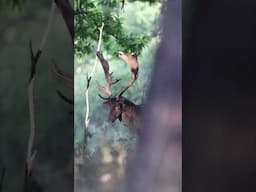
[(120, 107)]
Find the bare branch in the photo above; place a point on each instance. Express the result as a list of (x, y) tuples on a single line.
[(30, 154), (34, 58), (86, 121), (98, 48), (122, 4)]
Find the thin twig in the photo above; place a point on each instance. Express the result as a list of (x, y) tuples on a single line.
[(32, 124), (98, 49), (89, 79), (122, 4), (34, 61), (87, 103)]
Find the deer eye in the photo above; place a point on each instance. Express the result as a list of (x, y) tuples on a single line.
[(134, 54), (120, 53)]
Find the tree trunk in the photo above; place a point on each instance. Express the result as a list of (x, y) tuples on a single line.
[(157, 165)]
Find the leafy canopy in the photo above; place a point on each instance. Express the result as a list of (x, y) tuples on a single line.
[(89, 15)]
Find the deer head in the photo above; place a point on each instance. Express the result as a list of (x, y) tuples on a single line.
[(120, 107)]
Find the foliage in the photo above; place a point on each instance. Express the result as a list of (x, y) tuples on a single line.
[(150, 1), (89, 16)]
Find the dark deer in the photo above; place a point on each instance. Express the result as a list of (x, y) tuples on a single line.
[(120, 107)]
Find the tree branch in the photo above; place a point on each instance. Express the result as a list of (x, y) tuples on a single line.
[(86, 122), (34, 57), (122, 4)]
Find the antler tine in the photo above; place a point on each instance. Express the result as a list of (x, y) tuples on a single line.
[(132, 80), (66, 78), (105, 90), (115, 81), (131, 61), (104, 98), (108, 76)]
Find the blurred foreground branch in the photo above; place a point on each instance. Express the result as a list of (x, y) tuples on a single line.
[(67, 14), (157, 165), (34, 61)]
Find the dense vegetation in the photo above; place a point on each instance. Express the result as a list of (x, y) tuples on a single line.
[(117, 35)]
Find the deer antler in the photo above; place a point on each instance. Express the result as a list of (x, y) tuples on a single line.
[(120, 107), (66, 79), (62, 76), (132, 62), (108, 76)]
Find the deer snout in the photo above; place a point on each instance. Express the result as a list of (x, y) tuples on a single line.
[(114, 114), (112, 119)]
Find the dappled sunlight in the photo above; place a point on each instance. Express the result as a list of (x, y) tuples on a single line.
[(103, 171), (106, 155)]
